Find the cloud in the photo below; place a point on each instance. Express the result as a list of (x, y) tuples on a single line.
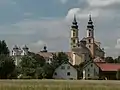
[(28, 14), (38, 43), (106, 47), (37, 46), (7, 2), (54, 31), (82, 13), (102, 3), (63, 1), (35, 33), (117, 46)]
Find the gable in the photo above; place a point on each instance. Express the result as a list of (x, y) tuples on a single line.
[(65, 65), (91, 61)]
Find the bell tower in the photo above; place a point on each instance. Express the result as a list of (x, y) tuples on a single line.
[(90, 37), (74, 34)]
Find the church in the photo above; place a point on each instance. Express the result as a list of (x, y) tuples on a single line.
[(81, 50), (87, 48)]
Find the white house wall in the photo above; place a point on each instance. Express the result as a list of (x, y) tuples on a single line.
[(91, 71), (62, 73)]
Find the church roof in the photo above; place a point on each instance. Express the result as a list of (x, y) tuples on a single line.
[(45, 54), (81, 49)]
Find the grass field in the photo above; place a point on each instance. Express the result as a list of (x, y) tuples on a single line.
[(58, 85)]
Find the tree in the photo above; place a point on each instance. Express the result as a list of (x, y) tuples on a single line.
[(7, 66), (59, 58), (3, 48), (28, 66), (109, 60), (48, 71), (31, 64), (117, 60), (62, 57)]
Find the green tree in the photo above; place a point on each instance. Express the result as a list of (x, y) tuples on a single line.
[(109, 60), (55, 62), (59, 58), (3, 48), (28, 66), (7, 66), (62, 57), (117, 60), (31, 64), (48, 71)]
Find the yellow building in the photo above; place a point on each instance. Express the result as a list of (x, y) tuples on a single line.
[(87, 48)]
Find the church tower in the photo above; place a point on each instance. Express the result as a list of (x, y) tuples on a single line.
[(90, 37), (74, 34)]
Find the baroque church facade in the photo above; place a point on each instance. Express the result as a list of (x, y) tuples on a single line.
[(87, 48)]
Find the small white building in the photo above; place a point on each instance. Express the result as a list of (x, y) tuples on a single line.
[(92, 70), (65, 71), (17, 52)]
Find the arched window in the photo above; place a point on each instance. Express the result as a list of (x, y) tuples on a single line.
[(73, 34), (89, 40), (89, 34)]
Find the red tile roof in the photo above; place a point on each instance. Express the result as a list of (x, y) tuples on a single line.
[(108, 66)]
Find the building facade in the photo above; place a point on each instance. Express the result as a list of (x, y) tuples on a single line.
[(17, 52), (90, 71), (65, 71), (87, 48)]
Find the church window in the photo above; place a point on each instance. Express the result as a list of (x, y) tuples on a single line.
[(73, 33), (73, 41), (89, 34), (74, 46), (89, 40), (89, 46)]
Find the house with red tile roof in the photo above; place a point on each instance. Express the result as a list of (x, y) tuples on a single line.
[(99, 69)]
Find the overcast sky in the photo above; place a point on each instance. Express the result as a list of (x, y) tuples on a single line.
[(39, 22)]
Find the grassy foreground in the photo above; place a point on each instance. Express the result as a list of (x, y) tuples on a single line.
[(58, 85)]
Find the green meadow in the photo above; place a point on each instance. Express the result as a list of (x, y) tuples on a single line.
[(58, 85)]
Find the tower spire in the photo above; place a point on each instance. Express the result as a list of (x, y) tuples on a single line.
[(74, 23), (74, 33), (90, 23), (90, 19), (90, 37), (74, 18)]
